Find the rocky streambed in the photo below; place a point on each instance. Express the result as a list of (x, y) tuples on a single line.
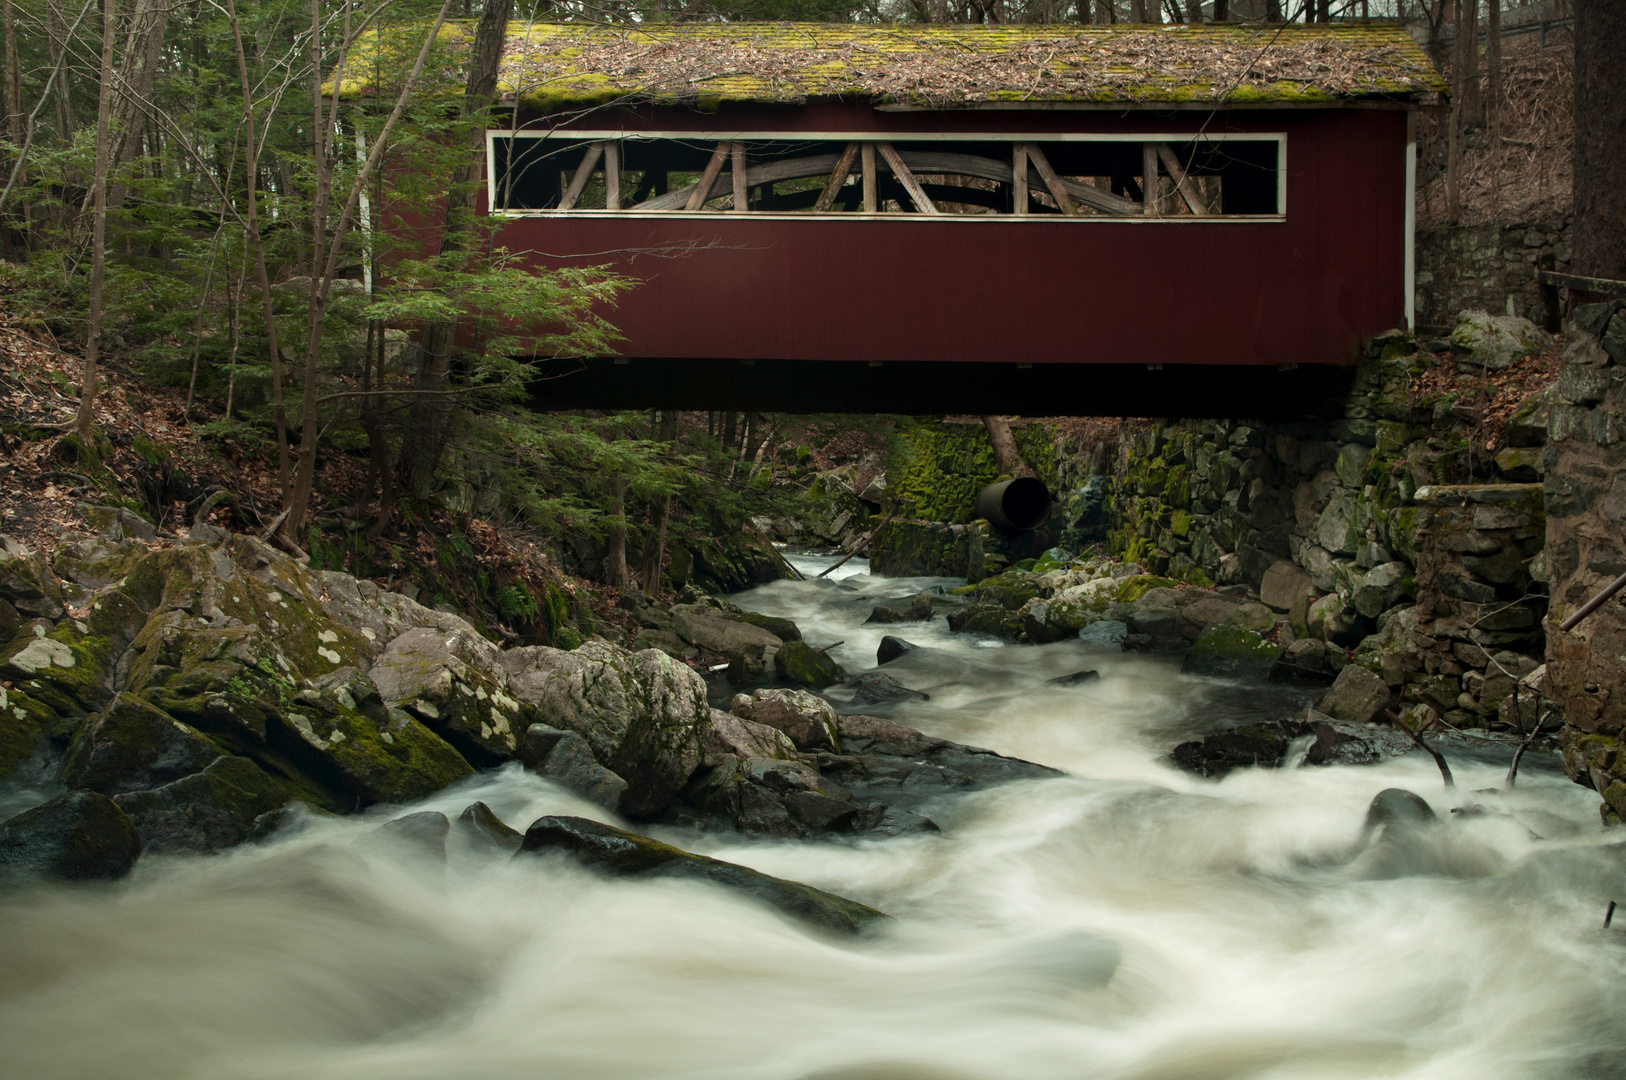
[(372, 843)]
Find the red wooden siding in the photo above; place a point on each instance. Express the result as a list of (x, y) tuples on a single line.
[(1036, 290)]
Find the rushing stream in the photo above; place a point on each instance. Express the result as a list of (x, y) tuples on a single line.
[(1126, 921)]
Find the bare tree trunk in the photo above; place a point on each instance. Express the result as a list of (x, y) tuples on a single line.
[(428, 421), (143, 51), (14, 79), (59, 45), (1493, 62), (251, 161), (85, 424), (1467, 67), (615, 555), (297, 503), (1007, 458), (655, 553), (1600, 139)]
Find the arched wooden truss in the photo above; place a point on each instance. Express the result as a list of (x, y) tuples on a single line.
[(886, 172)]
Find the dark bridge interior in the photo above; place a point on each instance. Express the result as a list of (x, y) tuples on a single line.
[(929, 388)]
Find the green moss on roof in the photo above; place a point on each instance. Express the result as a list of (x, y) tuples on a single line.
[(555, 66)]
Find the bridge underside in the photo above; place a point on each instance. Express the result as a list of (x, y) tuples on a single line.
[(931, 388)]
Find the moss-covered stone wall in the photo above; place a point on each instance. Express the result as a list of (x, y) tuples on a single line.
[(937, 468)]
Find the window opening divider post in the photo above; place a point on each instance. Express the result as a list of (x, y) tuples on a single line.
[(1182, 181), (736, 169), (1019, 178), (702, 190), (838, 179), (584, 172), (872, 202), (612, 175), (916, 194), (1051, 181), (1148, 179)]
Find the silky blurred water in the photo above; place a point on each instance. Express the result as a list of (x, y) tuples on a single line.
[(1125, 921)]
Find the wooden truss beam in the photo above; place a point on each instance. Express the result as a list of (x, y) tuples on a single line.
[(922, 201), (1182, 180), (1051, 180), (584, 172), (838, 177), (702, 191)]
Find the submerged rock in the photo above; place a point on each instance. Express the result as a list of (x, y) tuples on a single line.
[(878, 688), (625, 854), (480, 822), (1077, 678), (420, 834), (1399, 807), (79, 836), (891, 648)]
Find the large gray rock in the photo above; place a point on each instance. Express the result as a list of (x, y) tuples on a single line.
[(800, 663), (79, 836), (1284, 585), (1356, 696), (807, 719), (453, 682), (1383, 587), (599, 690), (707, 629), (625, 854), (1496, 341), (229, 802), (565, 758), (132, 746)]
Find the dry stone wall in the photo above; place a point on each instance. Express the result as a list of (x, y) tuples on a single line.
[(1489, 268), (1586, 520)]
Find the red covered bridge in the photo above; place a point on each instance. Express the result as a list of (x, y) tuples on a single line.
[(913, 218)]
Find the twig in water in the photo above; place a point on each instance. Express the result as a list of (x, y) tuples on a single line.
[(1609, 916), (860, 545), (1417, 737)]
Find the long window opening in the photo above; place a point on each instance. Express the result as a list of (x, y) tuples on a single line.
[(1079, 178)]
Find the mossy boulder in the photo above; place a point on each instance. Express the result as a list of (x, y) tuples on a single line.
[(1131, 590), (132, 745), (98, 562), (231, 801), (783, 629), (620, 853), (992, 619), (26, 582), (454, 684), (1232, 652), (800, 663), (26, 727), (78, 836)]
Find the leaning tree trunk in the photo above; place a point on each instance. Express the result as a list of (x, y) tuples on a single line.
[(1007, 458), (428, 425), (98, 258), (1600, 139)]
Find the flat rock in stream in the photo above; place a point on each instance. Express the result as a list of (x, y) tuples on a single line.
[(887, 763), (1335, 742), (620, 853), (877, 688)]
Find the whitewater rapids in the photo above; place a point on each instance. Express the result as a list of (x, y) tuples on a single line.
[(1126, 922)]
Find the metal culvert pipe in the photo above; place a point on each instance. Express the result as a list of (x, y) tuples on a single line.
[(1021, 504)]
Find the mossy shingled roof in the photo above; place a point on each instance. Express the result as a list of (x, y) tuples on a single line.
[(557, 66)]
